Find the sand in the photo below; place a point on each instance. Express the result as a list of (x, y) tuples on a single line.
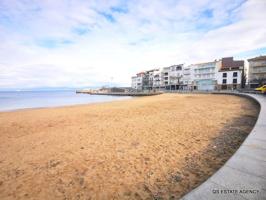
[(157, 147)]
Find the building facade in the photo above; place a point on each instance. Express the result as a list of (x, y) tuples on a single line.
[(144, 80), (257, 71), (229, 75), (149, 79), (205, 76), (172, 77), (165, 77), (223, 74), (138, 81), (134, 84), (188, 81), (157, 80)]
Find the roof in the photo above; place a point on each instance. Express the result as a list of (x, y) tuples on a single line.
[(230, 69), (229, 62), (140, 73), (257, 58), (204, 63), (152, 70), (176, 65)]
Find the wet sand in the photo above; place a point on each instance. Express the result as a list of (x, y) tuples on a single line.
[(157, 147)]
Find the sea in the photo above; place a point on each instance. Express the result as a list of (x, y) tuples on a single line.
[(16, 100)]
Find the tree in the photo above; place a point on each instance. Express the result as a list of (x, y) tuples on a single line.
[(243, 78)]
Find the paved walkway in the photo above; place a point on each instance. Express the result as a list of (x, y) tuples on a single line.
[(244, 175)]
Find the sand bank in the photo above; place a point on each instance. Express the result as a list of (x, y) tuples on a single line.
[(150, 147)]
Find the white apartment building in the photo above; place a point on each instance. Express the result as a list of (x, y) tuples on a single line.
[(188, 77), (229, 79), (157, 79), (229, 75), (165, 77), (134, 84), (149, 79), (176, 74), (172, 77), (205, 75), (137, 82), (145, 80)]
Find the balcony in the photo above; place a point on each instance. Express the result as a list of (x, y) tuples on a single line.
[(258, 64), (259, 72), (205, 67), (204, 76), (204, 73)]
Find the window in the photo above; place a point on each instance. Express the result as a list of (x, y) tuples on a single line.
[(224, 75), (224, 81), (234, 80), (165, 78), (235, 74)]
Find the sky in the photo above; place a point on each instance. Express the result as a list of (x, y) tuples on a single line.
[(83, 43)]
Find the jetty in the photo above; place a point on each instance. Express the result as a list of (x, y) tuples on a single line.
[(119, 93)]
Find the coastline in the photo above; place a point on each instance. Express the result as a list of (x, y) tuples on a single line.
[(63, 106), (142, 147), (56, 100)]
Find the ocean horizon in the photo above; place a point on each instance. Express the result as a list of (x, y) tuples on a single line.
[(16, 100)]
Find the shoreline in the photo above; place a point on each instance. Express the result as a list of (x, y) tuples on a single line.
[(121, 149), (63, 106), (133, 94)]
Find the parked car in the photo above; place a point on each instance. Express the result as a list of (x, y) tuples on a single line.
[(261, 89)]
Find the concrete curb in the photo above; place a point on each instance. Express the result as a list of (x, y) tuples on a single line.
[(243, 176)]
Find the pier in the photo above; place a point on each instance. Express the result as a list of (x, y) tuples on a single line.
[(120, 93)]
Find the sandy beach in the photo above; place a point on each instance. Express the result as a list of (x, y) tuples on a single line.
[(157, 147)]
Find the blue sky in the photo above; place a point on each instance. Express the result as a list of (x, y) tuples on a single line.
[(69, 43)]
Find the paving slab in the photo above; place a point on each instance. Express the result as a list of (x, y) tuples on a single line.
[(244, 173), (247, 185), (253, 151), (259, 132), (255, 143), (248, 165), (213, 191)]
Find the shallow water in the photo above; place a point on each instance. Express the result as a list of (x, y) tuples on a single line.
[(39, 99)]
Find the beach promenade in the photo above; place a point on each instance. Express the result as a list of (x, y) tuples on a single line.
[(244, 175)]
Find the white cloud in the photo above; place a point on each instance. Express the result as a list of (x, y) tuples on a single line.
[(88, 42)]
